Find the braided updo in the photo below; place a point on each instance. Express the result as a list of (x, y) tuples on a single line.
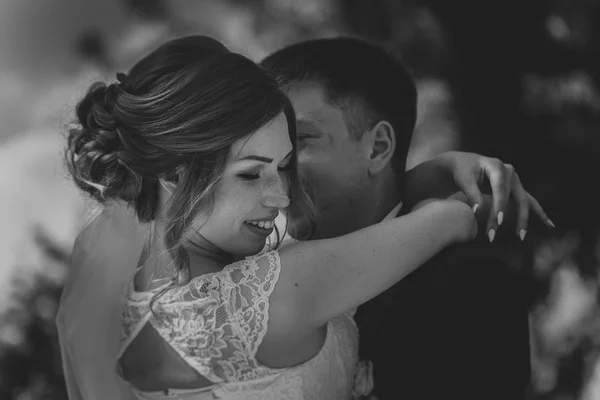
[(174, 116)]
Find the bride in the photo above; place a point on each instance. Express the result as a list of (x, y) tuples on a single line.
[(193, 157)]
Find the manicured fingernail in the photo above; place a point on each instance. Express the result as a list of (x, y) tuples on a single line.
[(551, 223), (475, 207), (522, 234), (500, 218), (492, 235)]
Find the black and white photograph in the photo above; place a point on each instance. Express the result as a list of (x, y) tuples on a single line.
[(299, 199)]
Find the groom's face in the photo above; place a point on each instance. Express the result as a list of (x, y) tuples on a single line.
[(330, 161)]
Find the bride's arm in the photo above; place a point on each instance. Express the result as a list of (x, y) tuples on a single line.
[(321, 279)]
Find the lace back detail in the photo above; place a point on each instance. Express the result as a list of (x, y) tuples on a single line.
[(216, 322)]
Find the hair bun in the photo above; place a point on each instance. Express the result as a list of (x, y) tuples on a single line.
[(95, 110), (121, 78), (95, 147)]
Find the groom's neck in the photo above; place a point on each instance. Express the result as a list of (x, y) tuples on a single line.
[(369, 206), (377, 200), (387, 196)]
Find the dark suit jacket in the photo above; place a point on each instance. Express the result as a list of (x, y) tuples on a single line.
[(456, 328)]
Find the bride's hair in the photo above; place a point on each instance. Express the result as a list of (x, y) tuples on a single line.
[(174, 116)]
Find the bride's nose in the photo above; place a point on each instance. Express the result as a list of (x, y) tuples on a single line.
[(275, 194)]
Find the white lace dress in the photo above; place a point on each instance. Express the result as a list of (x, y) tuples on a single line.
[(216, 324)]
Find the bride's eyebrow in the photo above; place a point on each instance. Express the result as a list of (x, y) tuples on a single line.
[(265, 160), (257, 158)]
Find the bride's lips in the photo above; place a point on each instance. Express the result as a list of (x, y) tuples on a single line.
[(259, 231), (264, 232)]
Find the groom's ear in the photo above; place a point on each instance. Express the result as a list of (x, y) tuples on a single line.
[(382, 145)]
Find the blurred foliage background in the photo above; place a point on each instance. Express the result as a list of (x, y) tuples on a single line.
[(511, 79)]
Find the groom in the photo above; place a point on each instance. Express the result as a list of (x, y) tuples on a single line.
[(458, 326)]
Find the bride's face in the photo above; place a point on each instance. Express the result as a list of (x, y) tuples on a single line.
[(252, 191)]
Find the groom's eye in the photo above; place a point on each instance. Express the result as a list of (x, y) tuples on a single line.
[(304, 136)]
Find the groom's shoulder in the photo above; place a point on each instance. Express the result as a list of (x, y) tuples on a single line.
[(455, 270)]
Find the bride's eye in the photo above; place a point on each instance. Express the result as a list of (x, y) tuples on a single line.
[(249, 177), (286, 167)]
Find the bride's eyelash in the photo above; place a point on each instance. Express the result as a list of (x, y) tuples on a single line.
[(286, 167), (249, 177), (255, 176)]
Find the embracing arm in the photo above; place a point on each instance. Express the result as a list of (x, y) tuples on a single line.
[(321, 279), (454, 171), (470, 173)]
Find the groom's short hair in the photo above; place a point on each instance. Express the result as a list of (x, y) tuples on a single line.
[(362, 79)]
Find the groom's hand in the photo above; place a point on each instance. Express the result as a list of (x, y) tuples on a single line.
[(472, 172)]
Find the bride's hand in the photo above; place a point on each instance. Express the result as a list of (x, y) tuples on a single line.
[(482, 212), (465, 215), (472, 172)]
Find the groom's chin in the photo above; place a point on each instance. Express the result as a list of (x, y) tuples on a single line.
[(299, 227)]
